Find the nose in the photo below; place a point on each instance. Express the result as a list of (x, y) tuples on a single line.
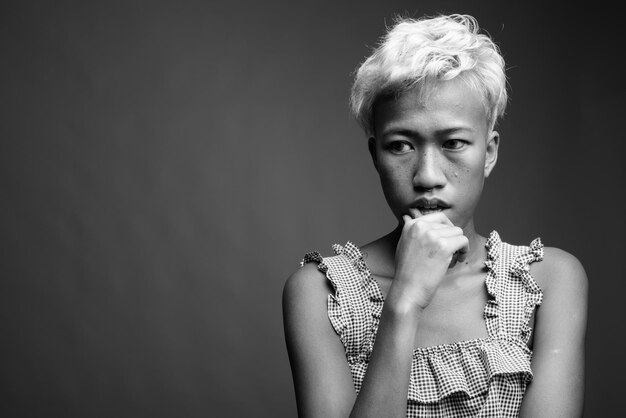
[(429, 172)]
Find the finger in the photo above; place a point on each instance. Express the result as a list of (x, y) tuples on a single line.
[(459, 255), (436, 217), (463, 250), (432, 223), (455, 243), (447, 231)]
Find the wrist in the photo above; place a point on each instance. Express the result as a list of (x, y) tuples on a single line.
[(416, 292), (403, 302)]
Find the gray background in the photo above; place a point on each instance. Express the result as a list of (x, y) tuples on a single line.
[(165, 165)]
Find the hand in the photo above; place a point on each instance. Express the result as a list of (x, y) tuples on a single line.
[(428, 246)]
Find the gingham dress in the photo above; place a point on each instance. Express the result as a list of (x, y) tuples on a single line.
[(484, 377)]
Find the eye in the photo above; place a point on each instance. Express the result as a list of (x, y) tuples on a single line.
[(454, 144), (400, 147)]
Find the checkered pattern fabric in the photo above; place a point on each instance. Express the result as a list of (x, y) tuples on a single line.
[(484, 377)]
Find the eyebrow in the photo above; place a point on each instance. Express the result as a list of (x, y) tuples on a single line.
[(454, 130), (438, 132)]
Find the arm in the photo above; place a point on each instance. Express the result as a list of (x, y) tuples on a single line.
[(322, 379), (559, 338), (321, 376)]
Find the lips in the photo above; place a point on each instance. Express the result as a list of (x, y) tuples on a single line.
[(425, 206)]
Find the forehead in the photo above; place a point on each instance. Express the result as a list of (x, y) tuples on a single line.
[(444, 105)]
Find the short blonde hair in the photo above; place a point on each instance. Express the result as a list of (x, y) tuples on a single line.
[(417, 52)]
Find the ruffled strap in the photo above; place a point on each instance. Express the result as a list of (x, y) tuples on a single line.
[(491, 311), (312, 257), (349, 307), (513, 292), (376, 302), (532, 292)]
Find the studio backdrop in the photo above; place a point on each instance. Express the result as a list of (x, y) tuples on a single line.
[(164, 166)]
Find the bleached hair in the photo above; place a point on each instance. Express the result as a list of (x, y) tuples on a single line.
[(420, 52)]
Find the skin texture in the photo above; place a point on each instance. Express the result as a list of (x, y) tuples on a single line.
[(430, 270), (434, 146)]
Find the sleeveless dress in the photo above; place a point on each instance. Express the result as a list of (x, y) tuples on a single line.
[(483, 377)]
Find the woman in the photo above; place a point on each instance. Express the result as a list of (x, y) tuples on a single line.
[(434, 319)]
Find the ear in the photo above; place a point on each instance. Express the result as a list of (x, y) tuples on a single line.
[(491, 153), (371, 145)]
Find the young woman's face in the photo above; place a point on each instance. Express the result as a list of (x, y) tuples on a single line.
[(434, 152)]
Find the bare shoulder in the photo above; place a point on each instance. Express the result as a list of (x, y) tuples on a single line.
[(305, 283), (305, 296), (559, 270)]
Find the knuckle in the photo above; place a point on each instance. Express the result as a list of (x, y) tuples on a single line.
[(440, 244), (431, 235)]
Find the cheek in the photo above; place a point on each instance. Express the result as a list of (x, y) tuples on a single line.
[(467, 171), (396, 181), (392, 174), (468, 179), (466, 176)]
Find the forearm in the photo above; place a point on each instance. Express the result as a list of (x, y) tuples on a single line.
[(386, 383), (423, 254)]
